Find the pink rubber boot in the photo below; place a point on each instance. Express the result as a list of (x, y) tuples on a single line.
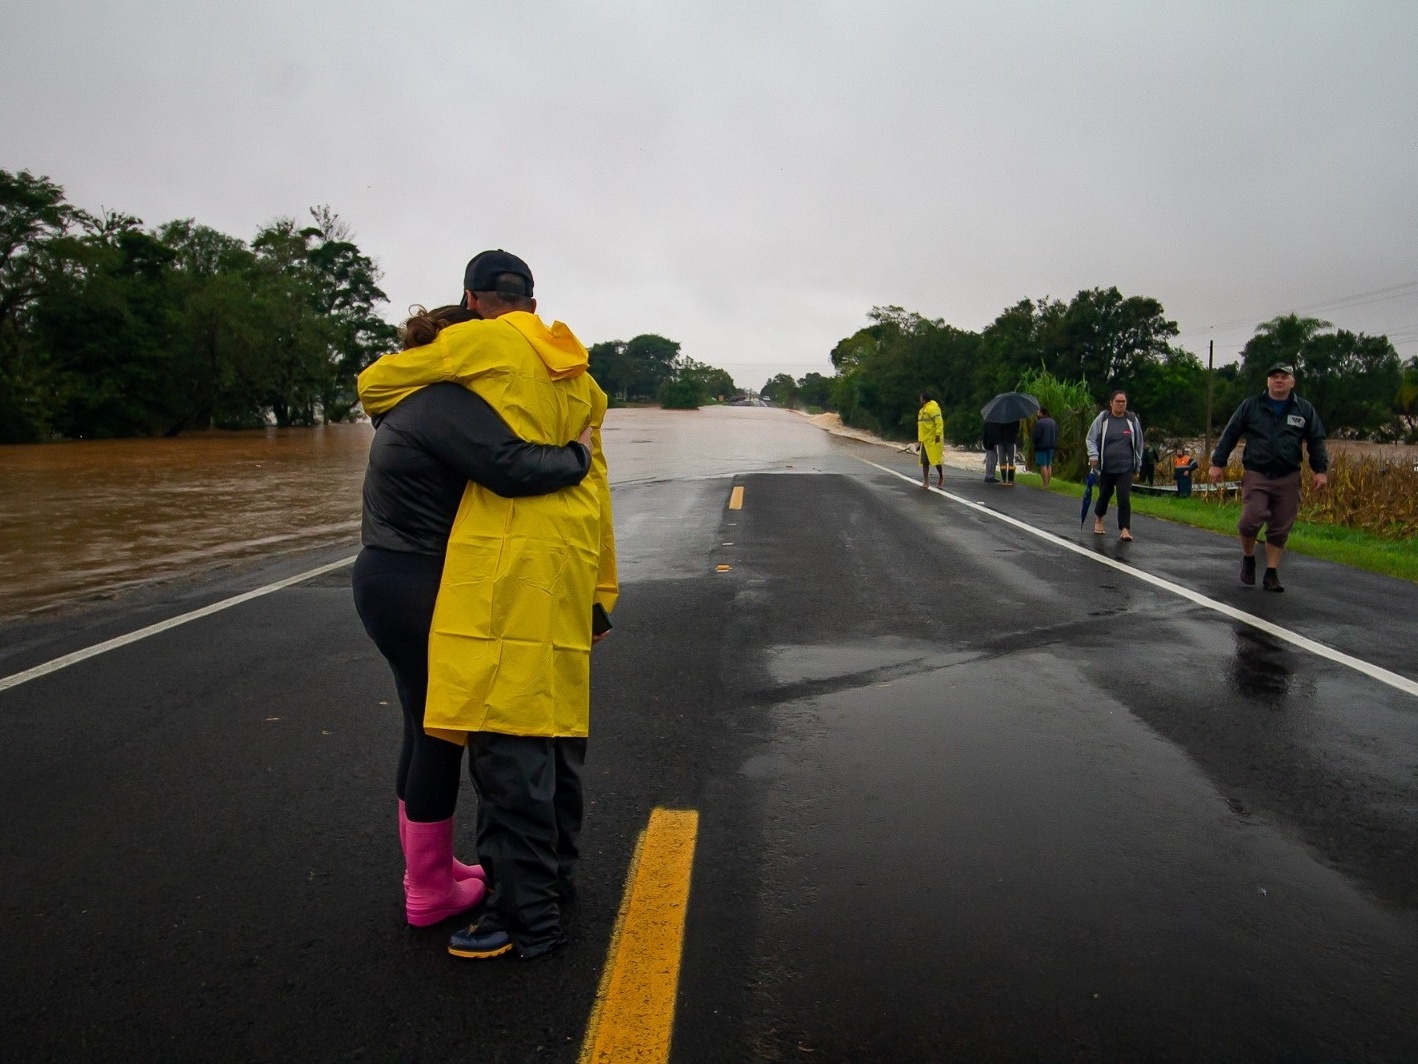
[(461, 871), (431, 893)]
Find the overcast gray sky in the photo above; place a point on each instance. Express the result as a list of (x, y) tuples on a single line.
[(750, 178)]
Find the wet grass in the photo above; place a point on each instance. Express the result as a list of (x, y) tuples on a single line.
[(1357, 547)]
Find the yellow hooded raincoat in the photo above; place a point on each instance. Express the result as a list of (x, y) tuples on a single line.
[(509, 650), (930, 432)]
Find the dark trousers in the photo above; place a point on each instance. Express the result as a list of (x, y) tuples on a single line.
[(394, 593), (529, 827), (1107, 482)]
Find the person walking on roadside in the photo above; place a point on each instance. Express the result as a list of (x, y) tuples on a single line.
[(1147, 472), (989, 439), (930, 434), (1115, 449), (424, 453), (525, 583), (1045, 438), (1275, 425), (1008, 447)]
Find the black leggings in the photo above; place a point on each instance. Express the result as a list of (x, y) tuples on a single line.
[(394, 593), (1123, 482)]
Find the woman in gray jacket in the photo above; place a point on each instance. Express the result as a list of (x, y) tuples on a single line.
[(1115, 450)]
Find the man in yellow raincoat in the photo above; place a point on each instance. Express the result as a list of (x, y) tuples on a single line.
[(509, 649), (930, 434)]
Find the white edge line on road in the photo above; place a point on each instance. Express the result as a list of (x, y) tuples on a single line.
[(162, 626), (1393, 679)]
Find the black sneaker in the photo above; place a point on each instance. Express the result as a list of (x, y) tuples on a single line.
[(1271, 581), (1248, 569), (480, 945)]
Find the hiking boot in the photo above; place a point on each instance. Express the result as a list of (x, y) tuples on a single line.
[(1248, 569), (1271, 581), (478, 944)]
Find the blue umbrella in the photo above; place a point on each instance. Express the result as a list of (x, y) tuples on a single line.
[(1088, 486)]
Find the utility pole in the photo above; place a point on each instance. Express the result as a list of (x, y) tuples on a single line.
[(1210, 366)]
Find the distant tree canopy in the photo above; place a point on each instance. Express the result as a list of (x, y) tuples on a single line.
[(780, 389), (1102, 340), (645, 368), (108, 328), (1354, 381)]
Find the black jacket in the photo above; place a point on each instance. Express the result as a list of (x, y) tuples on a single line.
[(1273, 443), (426, 450)]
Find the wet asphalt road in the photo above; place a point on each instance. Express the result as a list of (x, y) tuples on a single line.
[(963, 795)]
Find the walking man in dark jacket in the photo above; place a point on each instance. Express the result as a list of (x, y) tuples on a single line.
[(1275, 424)]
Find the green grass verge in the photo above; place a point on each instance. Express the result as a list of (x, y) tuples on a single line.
[(1334, 543)]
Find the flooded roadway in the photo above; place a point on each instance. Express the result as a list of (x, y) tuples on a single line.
[(963, 795), (87, 519)]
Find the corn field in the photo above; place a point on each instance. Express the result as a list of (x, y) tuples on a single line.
[(1377, 494)]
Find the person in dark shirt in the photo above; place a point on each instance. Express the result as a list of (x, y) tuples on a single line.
[(424, 453), (1045, 438), (1275, 425)]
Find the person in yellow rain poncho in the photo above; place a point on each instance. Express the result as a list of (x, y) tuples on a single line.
[(930, 434), (509, 649)]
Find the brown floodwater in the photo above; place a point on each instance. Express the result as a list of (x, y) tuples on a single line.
[(91, 518)]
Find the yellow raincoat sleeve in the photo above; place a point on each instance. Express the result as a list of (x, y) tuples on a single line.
[(607, 578), (393, 378)]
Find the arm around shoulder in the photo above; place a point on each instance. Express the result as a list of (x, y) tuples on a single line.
[(464, 433)]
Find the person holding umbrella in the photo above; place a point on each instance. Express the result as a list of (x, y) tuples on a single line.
[(930, 434), (1004, 412), (1115, 451)]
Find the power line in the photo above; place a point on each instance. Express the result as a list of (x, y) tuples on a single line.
[(1358, 299)]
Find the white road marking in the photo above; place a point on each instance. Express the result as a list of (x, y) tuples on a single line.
[(162, 626), (1392, 679)]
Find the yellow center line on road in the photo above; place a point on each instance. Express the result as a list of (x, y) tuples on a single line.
[(736, 498), (635, 1006)]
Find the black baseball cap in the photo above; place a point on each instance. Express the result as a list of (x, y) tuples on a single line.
[(486, 272), (1281, 367)]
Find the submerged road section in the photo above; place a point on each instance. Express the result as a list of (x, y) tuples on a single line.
[(957, 792)]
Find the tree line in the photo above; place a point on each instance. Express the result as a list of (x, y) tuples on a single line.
[(1102, 340), (108, 328), (650, 368)]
